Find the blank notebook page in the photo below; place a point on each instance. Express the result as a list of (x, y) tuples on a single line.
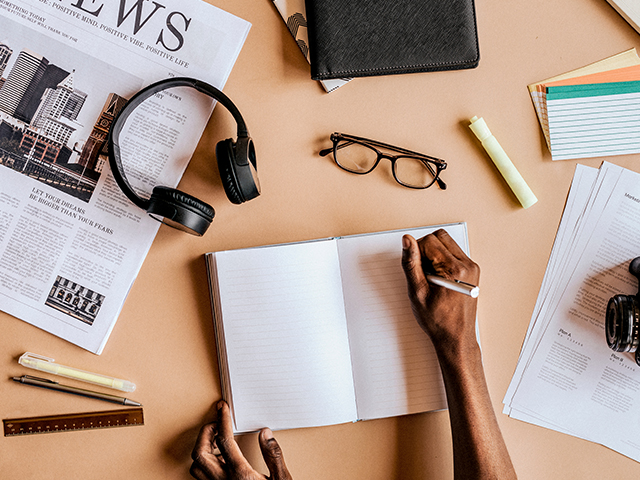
[(395, 367), (286, 338)]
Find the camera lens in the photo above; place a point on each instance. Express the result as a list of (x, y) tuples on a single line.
[(623, 318), (621, 324)]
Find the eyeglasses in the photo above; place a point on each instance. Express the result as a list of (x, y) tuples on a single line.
[(410, 169)]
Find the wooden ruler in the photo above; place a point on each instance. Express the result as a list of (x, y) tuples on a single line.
[(76, 421)]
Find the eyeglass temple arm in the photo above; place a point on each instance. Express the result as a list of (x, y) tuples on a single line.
[(386, 145), (327, 151), (375, 143), (439, 181)]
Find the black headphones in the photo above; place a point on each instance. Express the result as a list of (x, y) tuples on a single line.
[(622, 323), (236, 162)]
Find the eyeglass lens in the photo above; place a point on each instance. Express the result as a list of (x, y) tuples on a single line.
[(355, 157), (413, 172)]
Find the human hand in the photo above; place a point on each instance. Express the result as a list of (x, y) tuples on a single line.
[(230, 463), (448, 317)]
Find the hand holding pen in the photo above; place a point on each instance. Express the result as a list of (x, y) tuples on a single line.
[(446, 315), (449, 318)]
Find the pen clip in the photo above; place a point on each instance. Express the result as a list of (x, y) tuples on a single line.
[(464, 283), (26, 357), (37, 379)]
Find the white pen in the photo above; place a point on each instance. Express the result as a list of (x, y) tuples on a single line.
[(455, 285)]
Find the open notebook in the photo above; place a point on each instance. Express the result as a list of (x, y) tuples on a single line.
[(322, 332)]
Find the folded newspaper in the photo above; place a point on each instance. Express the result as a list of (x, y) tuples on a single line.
[(71, 244)]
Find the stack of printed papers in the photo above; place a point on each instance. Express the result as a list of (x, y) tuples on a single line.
[(593, 111), (567, 378)]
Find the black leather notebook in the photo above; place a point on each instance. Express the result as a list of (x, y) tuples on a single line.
[(358, 38)]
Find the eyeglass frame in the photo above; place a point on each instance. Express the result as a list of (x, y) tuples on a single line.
[(428, 160)]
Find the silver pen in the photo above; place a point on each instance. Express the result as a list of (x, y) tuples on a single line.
[(455, 285), (51, 385)]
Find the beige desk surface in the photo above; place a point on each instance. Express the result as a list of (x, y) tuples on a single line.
[(164, 341)]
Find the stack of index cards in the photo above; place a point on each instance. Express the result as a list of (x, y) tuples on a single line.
[(593, 111)]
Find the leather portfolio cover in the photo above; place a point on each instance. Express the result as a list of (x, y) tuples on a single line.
[(358, 38)]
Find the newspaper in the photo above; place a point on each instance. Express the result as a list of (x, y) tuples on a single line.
[(71, 244)]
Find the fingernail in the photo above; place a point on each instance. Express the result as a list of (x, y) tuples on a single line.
[(267, 434), (406, 243), (220, 404)]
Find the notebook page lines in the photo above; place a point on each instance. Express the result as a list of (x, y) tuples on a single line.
[(286, 336), (400, 374), (396, 370)]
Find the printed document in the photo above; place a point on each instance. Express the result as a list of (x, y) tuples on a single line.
[(71, 244), (567, 378)]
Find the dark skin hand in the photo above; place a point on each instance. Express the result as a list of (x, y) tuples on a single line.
[(448, 317), (217, 456)]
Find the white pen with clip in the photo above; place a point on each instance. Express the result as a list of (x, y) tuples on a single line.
[(51, 385), (455, 285)]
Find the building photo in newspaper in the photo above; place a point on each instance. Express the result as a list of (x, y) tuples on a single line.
[(56, 107)]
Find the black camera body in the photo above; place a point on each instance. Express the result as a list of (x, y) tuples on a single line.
[(622, 324)]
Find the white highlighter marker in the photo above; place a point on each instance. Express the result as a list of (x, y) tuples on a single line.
[(503, 162), (46, 364)]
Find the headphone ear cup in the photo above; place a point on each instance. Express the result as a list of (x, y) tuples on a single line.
[(180, 210), (184, 199), (225, 154)]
